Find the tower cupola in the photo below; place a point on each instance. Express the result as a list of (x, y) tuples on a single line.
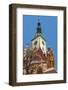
[(39, 30)]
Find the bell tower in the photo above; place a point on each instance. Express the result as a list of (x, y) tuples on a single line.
[(39, 41)]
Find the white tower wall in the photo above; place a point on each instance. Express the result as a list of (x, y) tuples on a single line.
[(41, 43)]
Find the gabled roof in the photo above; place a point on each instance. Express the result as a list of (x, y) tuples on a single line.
[(38, 36)]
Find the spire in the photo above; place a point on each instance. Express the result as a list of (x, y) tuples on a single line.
[(39, 27)]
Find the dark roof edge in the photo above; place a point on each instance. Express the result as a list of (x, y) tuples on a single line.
[(38, 36)]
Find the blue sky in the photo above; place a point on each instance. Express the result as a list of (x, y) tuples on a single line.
[(49, 30)]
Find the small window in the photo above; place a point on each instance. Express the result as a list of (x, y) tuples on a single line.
[(35, 43), (42, 42)]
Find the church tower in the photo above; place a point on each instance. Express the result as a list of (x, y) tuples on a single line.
[(39, 41)]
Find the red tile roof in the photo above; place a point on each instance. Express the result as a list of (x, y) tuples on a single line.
[(38, 55)]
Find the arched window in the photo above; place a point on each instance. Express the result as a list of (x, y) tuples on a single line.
[(42, 42), (35, 43)]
